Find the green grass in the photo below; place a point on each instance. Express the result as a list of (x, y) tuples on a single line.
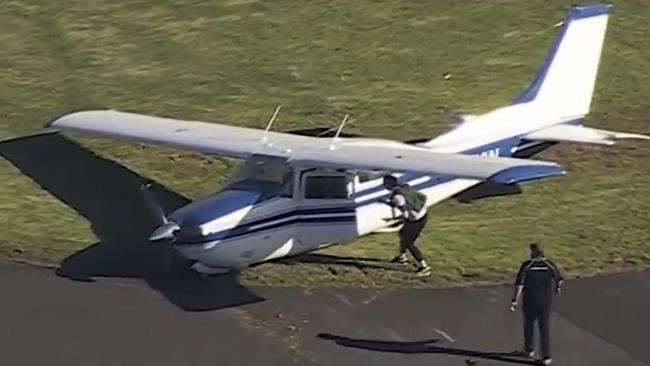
[(380, 61)]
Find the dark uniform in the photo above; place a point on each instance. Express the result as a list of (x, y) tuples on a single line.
[(539, 277)]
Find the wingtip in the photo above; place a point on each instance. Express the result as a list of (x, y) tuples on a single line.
[(579, 11), (627, 135), (52, 121)]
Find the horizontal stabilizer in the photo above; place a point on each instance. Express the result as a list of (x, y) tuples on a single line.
[(572, 133), (487, 189), (522, 174)]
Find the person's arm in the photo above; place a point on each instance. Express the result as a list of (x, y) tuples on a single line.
[(557, 276), (399, 202), (519, 286), (390, 201)]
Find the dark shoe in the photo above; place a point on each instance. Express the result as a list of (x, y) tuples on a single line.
[(528, 354), (401, 259), (423, 271)]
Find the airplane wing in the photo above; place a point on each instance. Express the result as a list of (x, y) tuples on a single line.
[(364, 154), (500, 170), (572, 133), (204, 137)]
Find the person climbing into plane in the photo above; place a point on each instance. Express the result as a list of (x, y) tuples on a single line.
[(412, 205)]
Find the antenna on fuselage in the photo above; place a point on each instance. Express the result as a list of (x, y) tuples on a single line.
[(268, 126), (338, 132)]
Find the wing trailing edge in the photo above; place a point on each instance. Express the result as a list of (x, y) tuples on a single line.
[(497, 169)]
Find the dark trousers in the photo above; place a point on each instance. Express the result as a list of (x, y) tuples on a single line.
[(541, 314), (409, 234)]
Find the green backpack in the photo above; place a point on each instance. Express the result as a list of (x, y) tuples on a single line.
[(415, 200)]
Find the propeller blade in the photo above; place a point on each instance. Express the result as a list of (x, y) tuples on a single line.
[(165, 228), (152, 204)]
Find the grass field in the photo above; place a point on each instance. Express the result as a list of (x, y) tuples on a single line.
[(380, 61)]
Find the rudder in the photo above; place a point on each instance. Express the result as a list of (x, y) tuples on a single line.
[(565, 81)]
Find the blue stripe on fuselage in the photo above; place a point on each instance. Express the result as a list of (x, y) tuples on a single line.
[(245, 229)]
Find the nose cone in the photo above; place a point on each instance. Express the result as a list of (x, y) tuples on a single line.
[(164, 231)]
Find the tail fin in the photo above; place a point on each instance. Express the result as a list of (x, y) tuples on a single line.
[(565, 82)]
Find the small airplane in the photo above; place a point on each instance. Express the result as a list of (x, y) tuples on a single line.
[(295, 193)]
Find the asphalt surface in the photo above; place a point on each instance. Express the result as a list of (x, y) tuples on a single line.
[(52, 320)]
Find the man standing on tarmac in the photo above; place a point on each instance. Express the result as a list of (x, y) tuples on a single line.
[(412, 205), (535, 279)]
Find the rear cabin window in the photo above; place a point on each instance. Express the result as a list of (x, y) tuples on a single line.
[(369, 176), (326, 187)]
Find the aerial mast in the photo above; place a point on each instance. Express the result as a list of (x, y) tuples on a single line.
[(338, 132), (268, 126)]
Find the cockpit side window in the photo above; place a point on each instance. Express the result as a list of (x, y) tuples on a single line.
[(272, 177), (326, 187)]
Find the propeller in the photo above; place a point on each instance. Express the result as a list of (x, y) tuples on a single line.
[(165, 228)]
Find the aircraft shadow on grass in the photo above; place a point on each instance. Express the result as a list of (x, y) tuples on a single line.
[(424, 347), (107, 195)]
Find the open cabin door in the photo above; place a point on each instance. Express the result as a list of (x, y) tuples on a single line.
[(325, 201)]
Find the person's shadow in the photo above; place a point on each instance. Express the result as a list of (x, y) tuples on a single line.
[(107, 195), (423, 347)]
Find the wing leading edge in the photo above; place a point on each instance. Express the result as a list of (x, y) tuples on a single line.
[(347, 153), (204, 137)]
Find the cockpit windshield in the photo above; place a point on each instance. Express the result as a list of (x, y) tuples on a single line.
[(271, 176)]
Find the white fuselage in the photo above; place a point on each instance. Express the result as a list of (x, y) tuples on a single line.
[(295, 223)]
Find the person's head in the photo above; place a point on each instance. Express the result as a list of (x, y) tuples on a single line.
[(390, 182), (536, 251)]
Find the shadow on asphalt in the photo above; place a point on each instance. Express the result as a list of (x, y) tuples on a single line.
[(423, 347)]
